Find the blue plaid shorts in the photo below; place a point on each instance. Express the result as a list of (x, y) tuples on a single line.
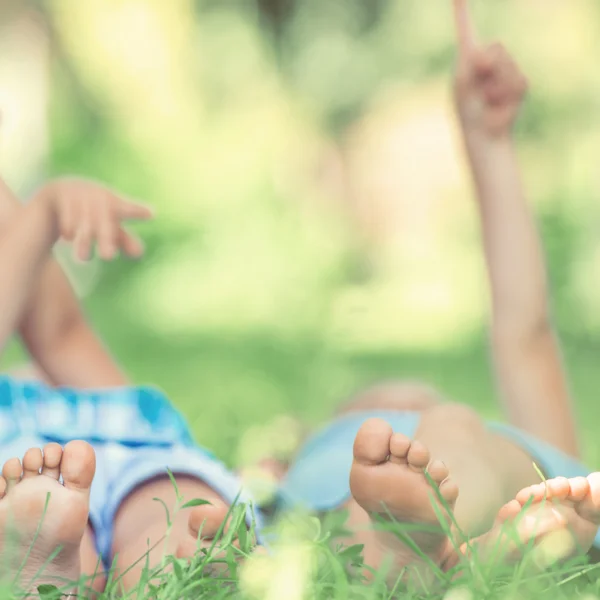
[(136, 432)]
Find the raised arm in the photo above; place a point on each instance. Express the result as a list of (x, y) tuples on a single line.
[(489, 90), (51, 322)]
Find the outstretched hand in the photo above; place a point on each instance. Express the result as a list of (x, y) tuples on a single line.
[(489, 86), (88, 214)]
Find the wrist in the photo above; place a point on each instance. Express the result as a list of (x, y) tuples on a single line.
[(44, 205), (481, 125), (482, 142)]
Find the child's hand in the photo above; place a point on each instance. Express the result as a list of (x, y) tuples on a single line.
[(489, 87), (87, 214)]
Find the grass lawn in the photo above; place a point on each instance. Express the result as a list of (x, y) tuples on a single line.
[(309, 563)]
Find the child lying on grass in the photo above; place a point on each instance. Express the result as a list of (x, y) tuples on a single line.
[(398, 432), (126, 436)]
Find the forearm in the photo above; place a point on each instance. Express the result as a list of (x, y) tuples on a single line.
[(77, 358), (512, 248), (52, 306), (526, 352), (58, 337), (26, 241), (52, 324), (534, 388)]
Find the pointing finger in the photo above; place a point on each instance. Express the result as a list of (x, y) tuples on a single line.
[(465, 30)]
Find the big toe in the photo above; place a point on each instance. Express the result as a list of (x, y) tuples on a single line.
[(589, 507), (372, 443), (205, 521), (78, 466)]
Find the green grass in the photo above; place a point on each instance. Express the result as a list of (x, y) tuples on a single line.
[(311, 559)]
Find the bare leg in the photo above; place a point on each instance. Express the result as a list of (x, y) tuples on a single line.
[(393, 395), (140, 524), (28, 372)]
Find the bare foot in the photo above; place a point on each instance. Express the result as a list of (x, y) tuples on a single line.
[(388, 480), (40, 516), (566, 509)]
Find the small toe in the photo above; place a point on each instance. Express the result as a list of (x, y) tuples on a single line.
[(3, 487), (449, 491), (438, 471), (589, 507), (558, 488), (12, 472), (509, 511), (594, 483), (52, 457), (32, 463), (535, 493), (418, 456), (579, 488), (399, 447), (372, 443)]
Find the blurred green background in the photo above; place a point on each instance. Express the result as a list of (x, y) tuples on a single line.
[(316, 230)]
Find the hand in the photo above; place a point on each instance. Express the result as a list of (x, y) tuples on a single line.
[(489, 87), (87, 214)]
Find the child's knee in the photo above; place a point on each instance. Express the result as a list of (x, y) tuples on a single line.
[(394, 395), (454, 417)]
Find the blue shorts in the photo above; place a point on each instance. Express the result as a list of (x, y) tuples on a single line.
[(136, 432), (319, 477)]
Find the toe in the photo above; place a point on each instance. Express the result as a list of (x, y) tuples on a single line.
[(534, 493), (399, 447), (437, 471), (205, 521), (449, 491), (579, 488), (589, 507), (204, 524), (52, 457), (2, 487), (372, 443), (418, 456), (12, 472), (78, 465), (32, 463), (558, 488), (509, 511)]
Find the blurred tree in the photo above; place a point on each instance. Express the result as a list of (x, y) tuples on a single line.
[(276, 14)]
